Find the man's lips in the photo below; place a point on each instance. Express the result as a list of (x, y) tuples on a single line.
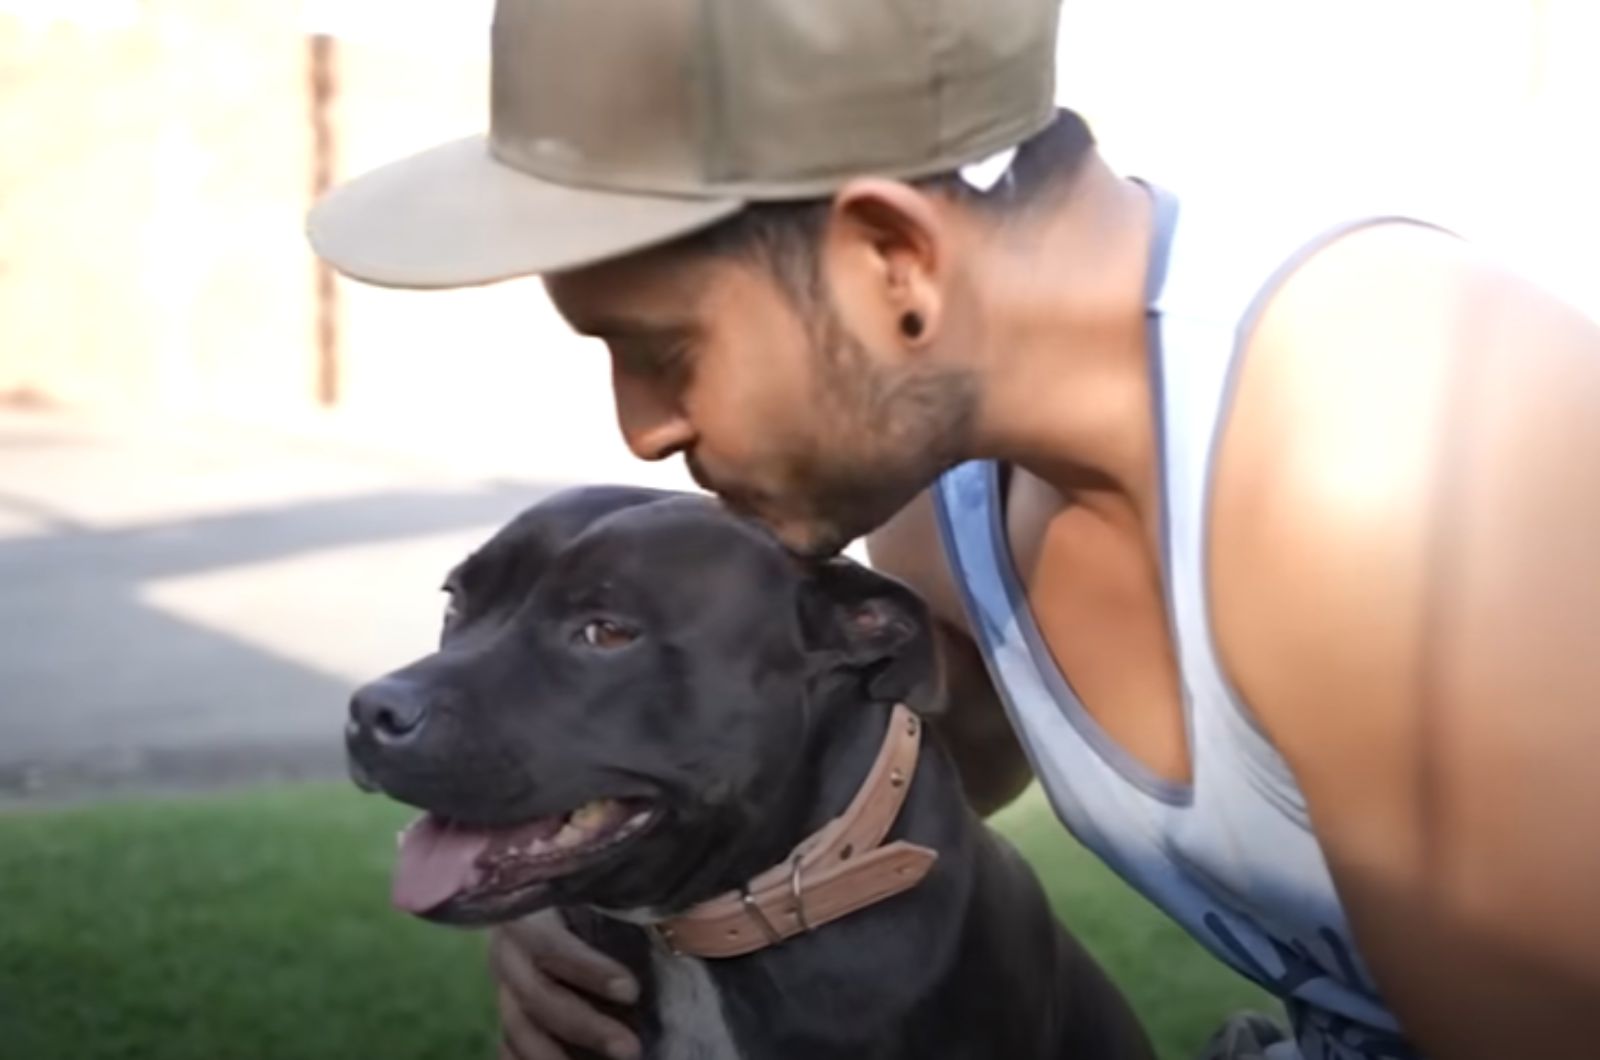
[(733, 496), (697, 471)]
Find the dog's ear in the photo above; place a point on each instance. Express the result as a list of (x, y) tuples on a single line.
[(860, 625)]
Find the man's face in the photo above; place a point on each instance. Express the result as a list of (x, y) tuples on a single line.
[(773, 401)]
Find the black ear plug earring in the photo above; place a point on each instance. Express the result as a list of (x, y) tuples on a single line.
[(911, 324)]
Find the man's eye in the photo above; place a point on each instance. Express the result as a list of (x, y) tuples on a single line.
[(607, 635), (651, 359)]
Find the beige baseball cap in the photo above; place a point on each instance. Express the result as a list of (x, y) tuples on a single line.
[(616, 125)]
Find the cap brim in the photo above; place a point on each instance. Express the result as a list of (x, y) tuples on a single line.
[(455, 216)]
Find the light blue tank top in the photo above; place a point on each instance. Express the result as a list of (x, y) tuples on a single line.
[(1231, 856)]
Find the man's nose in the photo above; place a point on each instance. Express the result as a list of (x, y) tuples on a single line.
[(653, 425), (389, 710)]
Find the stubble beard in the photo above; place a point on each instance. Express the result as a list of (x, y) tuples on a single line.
[(906, 428)]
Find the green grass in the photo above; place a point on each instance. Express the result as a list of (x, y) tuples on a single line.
[(256, 926), (1180, 991)]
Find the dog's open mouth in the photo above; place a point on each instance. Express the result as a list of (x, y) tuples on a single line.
[(447, 862)]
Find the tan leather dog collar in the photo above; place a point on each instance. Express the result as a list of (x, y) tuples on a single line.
[(838, 870)]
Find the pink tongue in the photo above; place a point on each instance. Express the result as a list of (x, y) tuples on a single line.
[(436, 861)]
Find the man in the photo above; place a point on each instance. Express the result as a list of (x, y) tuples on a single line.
[(1274, 540)]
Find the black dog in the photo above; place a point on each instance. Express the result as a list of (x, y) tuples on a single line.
[(640, 704)]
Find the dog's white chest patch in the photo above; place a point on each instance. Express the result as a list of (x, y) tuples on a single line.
[(692, 1024)]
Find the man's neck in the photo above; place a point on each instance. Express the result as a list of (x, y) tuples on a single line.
[(1067, 393)]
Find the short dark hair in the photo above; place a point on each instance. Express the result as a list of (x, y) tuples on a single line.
[(783, 236)]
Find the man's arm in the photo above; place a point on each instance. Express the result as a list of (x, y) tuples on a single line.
[(975, 728), (1406, 572), (973, 723)]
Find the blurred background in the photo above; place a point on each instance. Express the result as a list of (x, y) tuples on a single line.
[(230, 483)]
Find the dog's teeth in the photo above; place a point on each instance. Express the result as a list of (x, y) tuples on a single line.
[(590, 815), (569, 836)]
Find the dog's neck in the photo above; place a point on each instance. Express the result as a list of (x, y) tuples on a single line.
[(844, 755), (837, 761), (834, 766), (691, 998), (841, 868)]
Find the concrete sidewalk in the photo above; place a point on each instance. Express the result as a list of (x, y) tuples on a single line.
[(188, 607)]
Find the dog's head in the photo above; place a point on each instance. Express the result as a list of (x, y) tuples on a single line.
[(626, 706)]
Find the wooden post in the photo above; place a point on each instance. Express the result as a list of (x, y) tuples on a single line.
[(323, 68)]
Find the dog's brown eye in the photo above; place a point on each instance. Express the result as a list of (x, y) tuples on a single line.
[(600, 633)]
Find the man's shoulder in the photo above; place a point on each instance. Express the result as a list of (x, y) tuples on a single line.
[(1368, 372), (1391, 388), (1344, 381)]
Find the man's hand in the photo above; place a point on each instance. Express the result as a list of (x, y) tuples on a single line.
[(545, 975)]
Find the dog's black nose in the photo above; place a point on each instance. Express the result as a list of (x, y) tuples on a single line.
[(388, 710)]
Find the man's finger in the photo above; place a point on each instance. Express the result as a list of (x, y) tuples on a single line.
[(562, 954), (553, 1009), (520, 1039)]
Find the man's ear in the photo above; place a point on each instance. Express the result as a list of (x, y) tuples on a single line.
[(863, 627), (886, 254)]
